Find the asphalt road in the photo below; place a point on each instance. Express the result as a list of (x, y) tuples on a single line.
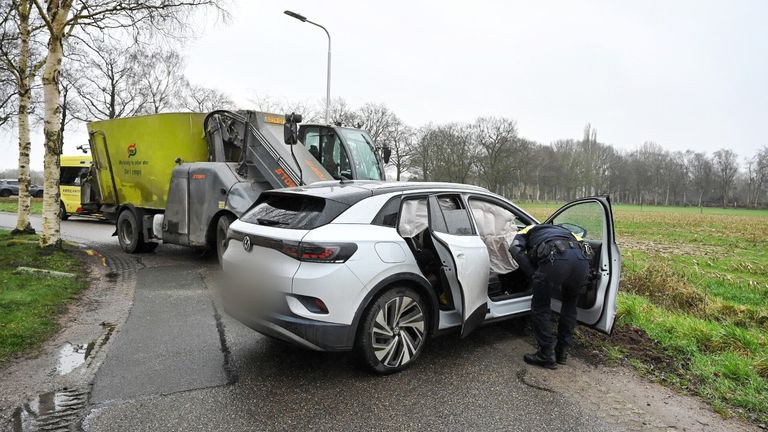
[(176, 365), (78, 229)]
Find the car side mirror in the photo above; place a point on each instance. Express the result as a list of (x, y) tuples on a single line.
[(579, 231), (386, 152), (291, 128)]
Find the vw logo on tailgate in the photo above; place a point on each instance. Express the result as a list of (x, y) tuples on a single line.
[(247, 243)]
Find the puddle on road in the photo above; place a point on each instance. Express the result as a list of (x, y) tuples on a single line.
[(73, 355), (52, 411), (60, 410)]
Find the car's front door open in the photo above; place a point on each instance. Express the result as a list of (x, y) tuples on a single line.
[(464, 258), (592, 219)]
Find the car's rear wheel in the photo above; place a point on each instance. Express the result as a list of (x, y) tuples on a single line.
[(5, 193), (393, 330)]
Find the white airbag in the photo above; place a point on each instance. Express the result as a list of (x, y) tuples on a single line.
[(413, 217), (497, 228)]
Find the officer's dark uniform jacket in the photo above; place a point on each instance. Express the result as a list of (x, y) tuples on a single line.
[(537, 242), (555, 260)]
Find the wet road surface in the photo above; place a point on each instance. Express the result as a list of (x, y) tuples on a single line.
[(174, 365)]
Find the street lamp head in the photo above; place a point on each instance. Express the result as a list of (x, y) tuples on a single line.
[(299, 17)]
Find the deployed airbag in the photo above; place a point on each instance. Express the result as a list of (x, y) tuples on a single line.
[(497, 228), (413, 217)]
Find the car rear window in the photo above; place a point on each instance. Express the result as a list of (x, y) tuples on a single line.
[(293, 211)]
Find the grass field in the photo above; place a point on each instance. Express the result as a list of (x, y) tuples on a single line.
[(10, 204), (31, 303), (696, 282)]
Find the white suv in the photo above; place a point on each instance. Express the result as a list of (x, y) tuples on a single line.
[(380, 267)]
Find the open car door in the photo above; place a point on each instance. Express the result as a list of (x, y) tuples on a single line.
[(465, 265), (592, 219)]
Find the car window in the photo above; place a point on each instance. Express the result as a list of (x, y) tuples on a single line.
[(586, 219), (286, 211), (388, 214), (70, 176), (456, 216)]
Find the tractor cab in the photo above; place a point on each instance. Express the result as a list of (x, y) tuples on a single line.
[(346, 153)]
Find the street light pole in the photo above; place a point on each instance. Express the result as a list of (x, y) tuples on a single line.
[(328, 74)]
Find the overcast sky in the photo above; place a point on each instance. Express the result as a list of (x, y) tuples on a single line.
[(684, 74)]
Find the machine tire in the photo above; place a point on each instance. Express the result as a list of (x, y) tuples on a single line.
[(382, 309), (63, 215), (129, 231), (5, 193), (38, 194), (221, 235)]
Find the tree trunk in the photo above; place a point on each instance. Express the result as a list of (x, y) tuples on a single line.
[(22, 220), (24, 85), (51, 235)]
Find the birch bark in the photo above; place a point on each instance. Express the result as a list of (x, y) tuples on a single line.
[(56, 18)]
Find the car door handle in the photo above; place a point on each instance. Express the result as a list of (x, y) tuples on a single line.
[(460, 255)]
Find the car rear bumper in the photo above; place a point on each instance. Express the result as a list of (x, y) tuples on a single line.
[(300, 331)]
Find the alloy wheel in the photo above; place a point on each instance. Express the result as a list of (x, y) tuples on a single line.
[(398, 331)]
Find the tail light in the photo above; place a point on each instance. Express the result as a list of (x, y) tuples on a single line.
[(319, 252), (306, 251)]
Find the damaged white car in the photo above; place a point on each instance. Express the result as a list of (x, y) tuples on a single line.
[(381, 267)]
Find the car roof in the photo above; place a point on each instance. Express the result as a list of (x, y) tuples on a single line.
[(352, 191)]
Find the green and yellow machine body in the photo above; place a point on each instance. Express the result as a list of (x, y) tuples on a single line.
[(134, 157)]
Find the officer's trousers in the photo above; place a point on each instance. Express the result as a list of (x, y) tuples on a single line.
[(568, 271)]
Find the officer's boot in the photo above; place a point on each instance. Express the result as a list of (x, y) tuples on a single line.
[(561, 354), (542, 358)]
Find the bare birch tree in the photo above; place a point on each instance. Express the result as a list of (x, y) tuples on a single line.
[(65, 18), (21, 65)]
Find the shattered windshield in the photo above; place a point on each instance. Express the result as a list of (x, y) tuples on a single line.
[(363, 154)]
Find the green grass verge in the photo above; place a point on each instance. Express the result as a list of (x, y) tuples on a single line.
[(11, 204), (29, 303), (725, 363)]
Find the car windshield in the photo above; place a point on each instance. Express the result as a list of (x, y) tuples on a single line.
[(363, 154)]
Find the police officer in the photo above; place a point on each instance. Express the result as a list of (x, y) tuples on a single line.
[(554, 258)]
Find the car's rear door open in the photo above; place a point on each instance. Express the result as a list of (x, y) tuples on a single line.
[(464, 257)]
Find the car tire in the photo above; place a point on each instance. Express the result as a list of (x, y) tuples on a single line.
[(129, 231), (5, 193), (222, 226), (38, 194), (63, 215), (393, 330)]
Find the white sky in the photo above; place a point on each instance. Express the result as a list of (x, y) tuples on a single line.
[(685, 74)]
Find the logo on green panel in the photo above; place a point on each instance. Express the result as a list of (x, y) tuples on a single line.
[(131, 150)]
